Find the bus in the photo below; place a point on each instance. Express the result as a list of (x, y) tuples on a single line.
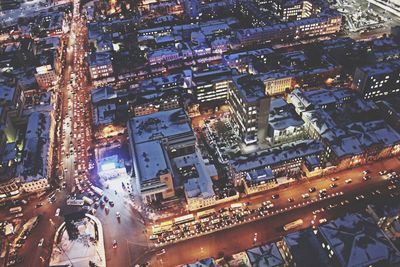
[(184, 219), (293, 224), (236, 205), (156, 229), (75, 202), (166, 226), (15, 210), (97, 190), (87, 200), (206, 213)]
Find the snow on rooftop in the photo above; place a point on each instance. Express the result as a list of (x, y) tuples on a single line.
[(202, 185), (161, 124), (37, 143), (267, 255), (357, 241), (151, 160), (306, 249), (276, 155)]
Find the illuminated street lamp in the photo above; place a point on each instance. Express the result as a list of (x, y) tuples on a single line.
[(255, 239)]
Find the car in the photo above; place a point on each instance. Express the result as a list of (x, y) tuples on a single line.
[(360, 197), (275, 196), (348, 181), (391, 187), (323, 220), (306, 195), (102, 204), (40, 244), (290, 199), (57, 212), (312, 189), (38, 205), (334, 179), (153, 237), (383, 172), (366, 177), (268, 204), (118, 214), (105, 198), (366, 172), (115, 244), (111, 203), (11, 263), (333, 185)]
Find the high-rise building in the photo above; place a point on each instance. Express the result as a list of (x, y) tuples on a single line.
[(378, 80), (249, 105)]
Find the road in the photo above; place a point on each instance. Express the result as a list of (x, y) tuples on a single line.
[(240, 238)]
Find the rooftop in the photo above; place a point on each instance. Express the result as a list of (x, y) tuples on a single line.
[(250, 88), (151, 160), (159, 125), (99, 59), (306, 249), (265, 256), (357, 241), (382, 67), (270, 157)]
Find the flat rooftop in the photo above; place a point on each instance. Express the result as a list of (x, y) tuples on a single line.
[(159, 125), (151, 160)]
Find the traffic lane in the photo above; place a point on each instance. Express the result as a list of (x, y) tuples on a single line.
[(230, 241), (30, 250), (296, 190), (128, 231), (281, 204)]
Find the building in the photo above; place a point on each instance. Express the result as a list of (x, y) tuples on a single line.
[(36, 165), (352, 129), (303, 249), (259, 180), (210, 86), (289, 10), (391, 112), (241, 61), (249, 106), (378, 80), (208, 262), (155, 139), (46, 76), (251, 11), (104, 101), (285, 125), (100, 65), (277, 83), (284, 161), (355, 240), (327, 23), (387, 218), (13, 100), (198, 186), (266, 255)]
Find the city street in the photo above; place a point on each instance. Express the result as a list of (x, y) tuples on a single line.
[(240, 238), (110, 49)]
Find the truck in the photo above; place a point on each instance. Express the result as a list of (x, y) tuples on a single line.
[(15, 210)]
